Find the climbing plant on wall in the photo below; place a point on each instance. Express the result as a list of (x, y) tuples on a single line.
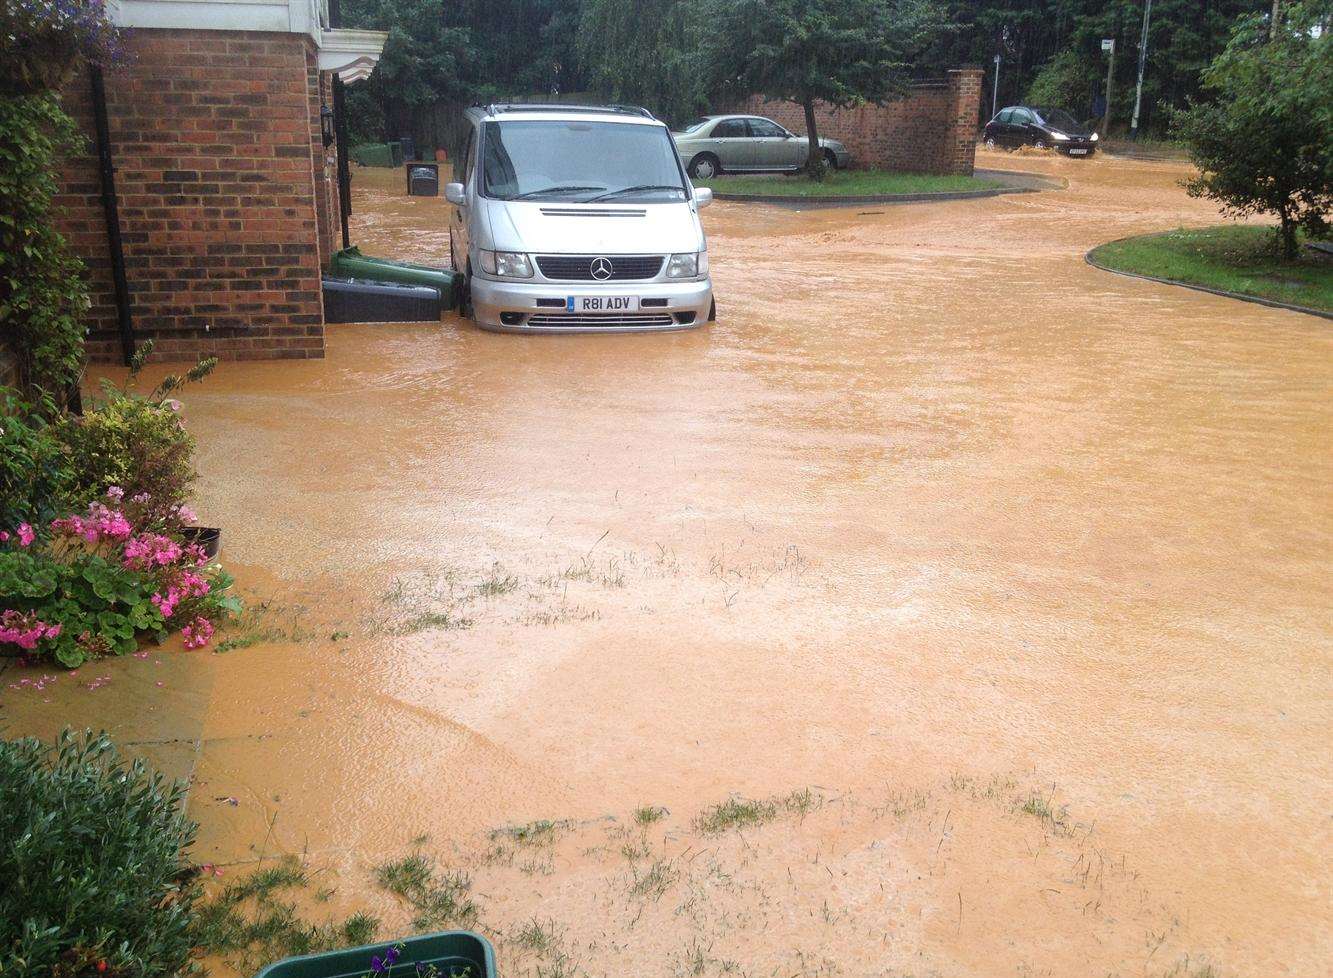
[(42, 293)]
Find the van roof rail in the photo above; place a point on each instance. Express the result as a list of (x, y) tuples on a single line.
[(498, 108)]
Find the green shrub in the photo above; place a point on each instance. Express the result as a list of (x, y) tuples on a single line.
[(34, 472), (1262, 140), (136, 442), (129, 442), (92, 855)]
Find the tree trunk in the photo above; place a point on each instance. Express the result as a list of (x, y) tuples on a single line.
[(814, 164), (1287, 235)]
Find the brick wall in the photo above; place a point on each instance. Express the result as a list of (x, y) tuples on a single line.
[(216, 143), (932, 130)]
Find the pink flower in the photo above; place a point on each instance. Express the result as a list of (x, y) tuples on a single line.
[(26, 535), (149, 550), (4, 536), (115, 494), (198, 633), (24, 629)]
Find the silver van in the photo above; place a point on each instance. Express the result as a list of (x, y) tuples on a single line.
[(575, 218)]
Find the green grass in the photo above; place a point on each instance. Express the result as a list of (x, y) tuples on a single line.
[(1240, 259), (250, 923), (440, 899), (848, 183), (744, 813)]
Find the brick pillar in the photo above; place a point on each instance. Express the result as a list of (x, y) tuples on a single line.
[(961, 135), (325, 165)]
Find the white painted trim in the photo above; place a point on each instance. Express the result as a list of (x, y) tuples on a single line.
[(278, 16), (352, 54)]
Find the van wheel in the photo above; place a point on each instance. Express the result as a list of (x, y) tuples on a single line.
[(830, 161), (705, 166), (465, 295)]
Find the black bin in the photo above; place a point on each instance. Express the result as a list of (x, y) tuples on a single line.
[(423, 179), (351, 300)]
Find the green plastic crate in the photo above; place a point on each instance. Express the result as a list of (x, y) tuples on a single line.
[(350, 263), (455, 953)]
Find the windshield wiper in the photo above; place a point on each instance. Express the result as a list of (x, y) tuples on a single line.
[(552, 190), (641, 188)]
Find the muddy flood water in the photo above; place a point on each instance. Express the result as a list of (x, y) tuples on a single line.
[(1001, 583)]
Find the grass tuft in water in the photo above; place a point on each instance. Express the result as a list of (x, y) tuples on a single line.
[(253, 922), (742, 813), (648, 814), (439, 898)]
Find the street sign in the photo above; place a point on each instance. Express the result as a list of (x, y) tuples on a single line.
[(1108, 44)]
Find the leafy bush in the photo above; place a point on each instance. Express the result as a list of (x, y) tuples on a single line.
[(136, 442), (92, 854), (42, 292), (98, 584), (34, 474), (1262, 141)]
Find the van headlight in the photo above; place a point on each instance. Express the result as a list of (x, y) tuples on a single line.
[(688, 265), (506, 264)]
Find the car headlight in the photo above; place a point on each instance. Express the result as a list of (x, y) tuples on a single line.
[(1093, 137), (1059, 137), (687, 265), (506, 264)]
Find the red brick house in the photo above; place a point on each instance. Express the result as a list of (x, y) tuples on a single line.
[(209, 201)]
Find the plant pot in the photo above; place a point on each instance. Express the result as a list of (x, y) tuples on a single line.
[(455, 953), (208, 537)]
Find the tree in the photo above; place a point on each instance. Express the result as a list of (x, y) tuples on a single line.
[(1184, 36), (644, 52), (452, 52), (841, 52), (1263, 142)]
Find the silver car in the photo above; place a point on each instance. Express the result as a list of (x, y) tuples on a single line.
[(748, 144)]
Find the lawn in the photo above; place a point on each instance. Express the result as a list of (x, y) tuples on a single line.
[(847, 183), (1235, 258)]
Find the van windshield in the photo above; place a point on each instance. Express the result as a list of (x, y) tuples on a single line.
[(551, 159)]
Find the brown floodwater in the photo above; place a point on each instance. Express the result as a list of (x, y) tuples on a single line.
[(1022, 568)]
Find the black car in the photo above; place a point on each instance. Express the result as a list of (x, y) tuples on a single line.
[(1028, 125)]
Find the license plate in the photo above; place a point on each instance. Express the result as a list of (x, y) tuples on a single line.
[(602, 303), (1078, 152)]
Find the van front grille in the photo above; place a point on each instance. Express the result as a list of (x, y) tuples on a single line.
[(580, 268), (612, 321)]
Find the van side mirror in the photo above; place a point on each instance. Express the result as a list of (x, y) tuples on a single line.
[(455, 194), (703, 196)]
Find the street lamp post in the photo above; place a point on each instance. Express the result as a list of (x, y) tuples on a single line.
[(995, 91), (1143, 58), (1108, 45)]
